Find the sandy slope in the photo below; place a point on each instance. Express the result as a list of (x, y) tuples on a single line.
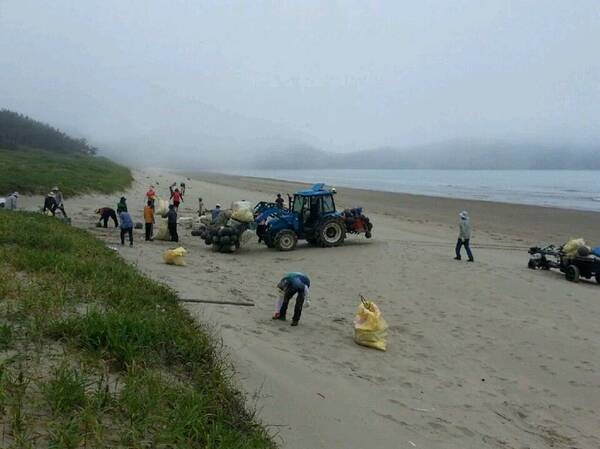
[(484, 355)]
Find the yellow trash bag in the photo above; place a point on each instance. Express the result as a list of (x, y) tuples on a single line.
[(370, 329), (175, 256), (570, 248)]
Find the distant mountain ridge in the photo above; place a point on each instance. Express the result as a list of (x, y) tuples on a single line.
[(458, 154)]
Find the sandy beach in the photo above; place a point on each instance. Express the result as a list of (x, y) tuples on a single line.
[(483, 355)]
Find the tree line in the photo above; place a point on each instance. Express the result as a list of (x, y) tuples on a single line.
[(17, 132)]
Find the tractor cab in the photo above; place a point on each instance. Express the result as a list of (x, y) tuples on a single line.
[(310, 206)]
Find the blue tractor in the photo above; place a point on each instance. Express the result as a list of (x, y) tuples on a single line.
[(312, 217)]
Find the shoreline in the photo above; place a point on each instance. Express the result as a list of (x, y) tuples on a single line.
[(594, 198), (532, 223)]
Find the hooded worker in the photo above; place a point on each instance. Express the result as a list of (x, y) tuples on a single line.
[(464, 236), (11, 201), (122, 205)]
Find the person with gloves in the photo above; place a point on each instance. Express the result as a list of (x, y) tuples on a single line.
[(293, 284)]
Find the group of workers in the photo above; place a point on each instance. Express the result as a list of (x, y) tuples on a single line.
[(294, 283), (122, 216)]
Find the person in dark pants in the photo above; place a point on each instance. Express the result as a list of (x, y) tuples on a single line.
[(296, 284), (49, 203), (122, 205), (149, 219), (105, 214), (171, 217), (464, 236), (126, 227), (59, 199)]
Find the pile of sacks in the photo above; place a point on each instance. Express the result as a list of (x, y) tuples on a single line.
[(578, 247), (231, 229)]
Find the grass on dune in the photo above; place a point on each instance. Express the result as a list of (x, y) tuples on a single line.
[(36, 171), (94, 354)]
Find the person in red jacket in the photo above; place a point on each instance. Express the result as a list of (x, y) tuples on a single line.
[(151, 196), (177, 198)]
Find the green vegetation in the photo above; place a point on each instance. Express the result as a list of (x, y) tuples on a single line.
[(34, 157), (37, 171), (17, 131), (94, 354)]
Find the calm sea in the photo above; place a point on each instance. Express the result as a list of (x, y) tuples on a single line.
[(559, 188)]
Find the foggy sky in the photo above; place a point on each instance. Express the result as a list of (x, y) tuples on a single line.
[(195, 77)]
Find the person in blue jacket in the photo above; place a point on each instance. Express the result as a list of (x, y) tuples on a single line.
[(126, 227), (293, 284)]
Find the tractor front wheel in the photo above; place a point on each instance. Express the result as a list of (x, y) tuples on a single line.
[(572, 273), (331, 232), (286, 240)]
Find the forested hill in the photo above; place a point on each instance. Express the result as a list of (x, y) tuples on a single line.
[(17, 132)]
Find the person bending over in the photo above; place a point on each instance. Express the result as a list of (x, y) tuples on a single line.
[(297, 284), (105, 214)]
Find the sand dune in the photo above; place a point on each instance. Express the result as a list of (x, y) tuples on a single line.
[(484, 355)]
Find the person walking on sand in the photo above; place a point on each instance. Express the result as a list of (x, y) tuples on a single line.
[(293, 284), (58, 198), (171, 217), (182, 189), (122, 205), (200, 207), (149, 220), (106, 213), (464, 236), (126, 227)]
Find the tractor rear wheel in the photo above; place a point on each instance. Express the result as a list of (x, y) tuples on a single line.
[(572, 273), (286, 240), (331, 232)]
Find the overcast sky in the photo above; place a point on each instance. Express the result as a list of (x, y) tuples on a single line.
[(339, 75)]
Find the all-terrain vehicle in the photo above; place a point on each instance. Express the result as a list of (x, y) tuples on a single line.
[(580, 265), (312, 217)]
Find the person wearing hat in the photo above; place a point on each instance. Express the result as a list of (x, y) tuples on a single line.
[(171, 217), (11, 201), (58, 198), (464, 236), (49, 203), (215, 212), (122, 205)]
